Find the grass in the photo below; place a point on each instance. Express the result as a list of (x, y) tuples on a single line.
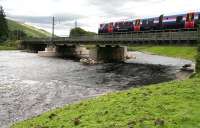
[(9, 45), (186, 52), (167, 105), (7, 48), (29, 30)]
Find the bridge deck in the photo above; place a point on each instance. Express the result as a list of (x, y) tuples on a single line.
[(123, 38)]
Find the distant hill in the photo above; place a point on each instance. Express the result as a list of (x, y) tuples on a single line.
[(30, 31)]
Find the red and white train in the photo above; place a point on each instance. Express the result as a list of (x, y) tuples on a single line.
[(182, 21)]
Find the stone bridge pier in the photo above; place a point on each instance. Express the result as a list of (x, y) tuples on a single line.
[(68, 51), (109, 53)]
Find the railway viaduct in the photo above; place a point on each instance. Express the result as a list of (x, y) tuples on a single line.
[(112, 47)]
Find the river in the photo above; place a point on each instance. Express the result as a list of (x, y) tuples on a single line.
[(30, 85)]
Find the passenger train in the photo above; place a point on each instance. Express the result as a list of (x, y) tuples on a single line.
[(183, 21)]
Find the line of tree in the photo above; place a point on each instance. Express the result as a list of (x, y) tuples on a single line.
[(3, 25), (80, 32)]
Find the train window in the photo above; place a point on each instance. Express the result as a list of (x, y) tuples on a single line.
[(129, 24), (137, 22), (199, 16), (144, 22), (151, 21), (106, 26), (190, 17), (179, 19)]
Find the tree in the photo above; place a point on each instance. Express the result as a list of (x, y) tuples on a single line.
[(17, 35), (3, 25), (80, 32), (198, 52), (198, 60)]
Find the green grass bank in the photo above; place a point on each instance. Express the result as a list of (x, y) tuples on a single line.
[(167, 105), (9, 45), (186, 52)]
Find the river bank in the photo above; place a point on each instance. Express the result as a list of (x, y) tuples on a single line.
[(9, 45), (34, 84), (173, 104)]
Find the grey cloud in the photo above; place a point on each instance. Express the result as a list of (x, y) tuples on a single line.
[(31, 19), (46, 19), (114, 8)]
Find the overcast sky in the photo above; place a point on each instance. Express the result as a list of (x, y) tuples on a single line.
[(90, 13)]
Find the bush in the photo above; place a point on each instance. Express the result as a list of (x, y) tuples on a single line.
[(198, 60), (17, 35)]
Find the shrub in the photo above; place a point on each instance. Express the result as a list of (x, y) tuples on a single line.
[(198, 60)]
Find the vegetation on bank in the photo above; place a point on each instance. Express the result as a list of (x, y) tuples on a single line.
[(9, 45), (186, 52), (198, 60), (169, 105)]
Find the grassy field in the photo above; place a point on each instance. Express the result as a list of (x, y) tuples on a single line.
[(29, 30), (168, 105), (186, 52)]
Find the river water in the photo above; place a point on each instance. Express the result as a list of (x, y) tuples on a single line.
[(30, 85)]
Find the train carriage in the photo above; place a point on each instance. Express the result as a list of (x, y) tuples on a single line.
[(123, 26), (183, 21)]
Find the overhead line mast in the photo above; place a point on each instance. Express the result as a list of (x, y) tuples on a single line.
[(53, 27)]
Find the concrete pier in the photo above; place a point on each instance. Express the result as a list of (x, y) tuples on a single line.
[(69, 51), (72, 51), (50, 51), (109, 53)]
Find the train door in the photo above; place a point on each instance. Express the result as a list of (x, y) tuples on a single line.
[(144, 25), (199, 17), (179, 22), (189, 23), (137, 25), (100, 29), (161, 22), (110, 27)]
